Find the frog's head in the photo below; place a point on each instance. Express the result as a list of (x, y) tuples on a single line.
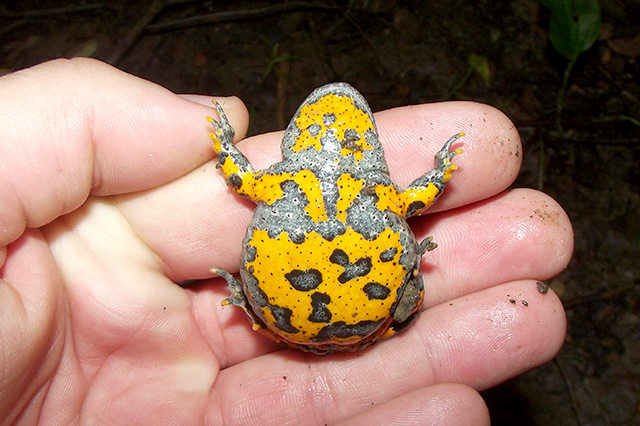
[(334, 122)]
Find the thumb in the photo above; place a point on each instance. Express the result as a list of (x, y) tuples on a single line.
[(76, 127)]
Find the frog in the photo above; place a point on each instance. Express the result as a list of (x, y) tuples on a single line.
[(329, 262)]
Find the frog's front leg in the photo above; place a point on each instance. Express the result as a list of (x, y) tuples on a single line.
[(237, 169), (424, 191)]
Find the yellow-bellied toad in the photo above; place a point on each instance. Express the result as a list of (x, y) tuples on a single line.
[(329, 262)]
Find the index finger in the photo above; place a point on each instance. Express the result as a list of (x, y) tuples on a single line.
[(214, 219), (71, 128)]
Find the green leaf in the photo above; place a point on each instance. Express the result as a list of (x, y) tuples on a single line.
[(574, 25)]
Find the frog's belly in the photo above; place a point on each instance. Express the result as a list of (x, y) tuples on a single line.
[(319, 290)]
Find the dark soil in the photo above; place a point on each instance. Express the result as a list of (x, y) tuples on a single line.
[(406, 52)]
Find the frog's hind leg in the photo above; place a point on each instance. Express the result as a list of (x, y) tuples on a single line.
[(235, 285), (238, 298)]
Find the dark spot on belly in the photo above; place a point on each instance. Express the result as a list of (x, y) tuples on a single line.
[(283, 319), (389, 254), (359, 268), (339, 257), (304, 280), (343, 330), (376, 291), (319, 311)]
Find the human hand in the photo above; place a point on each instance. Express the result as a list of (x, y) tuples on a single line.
[(109, 197)]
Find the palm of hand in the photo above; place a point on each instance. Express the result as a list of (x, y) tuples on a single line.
[(108, 337)]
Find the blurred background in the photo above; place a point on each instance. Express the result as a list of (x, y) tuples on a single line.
[(529, 59)]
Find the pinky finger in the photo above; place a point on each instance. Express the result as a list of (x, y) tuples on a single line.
[(442, 404)]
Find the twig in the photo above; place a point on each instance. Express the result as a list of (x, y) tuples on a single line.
[(610, 294), (561, 94), (53, 11), (372, 46), (135, 32), (574, 402), (237, 15)]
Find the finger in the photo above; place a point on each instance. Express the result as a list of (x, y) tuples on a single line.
[(446, 404), (518, 234), (197, 222), (83, 127), (492, 150), (479, 340), (412, 135), (32, 314)]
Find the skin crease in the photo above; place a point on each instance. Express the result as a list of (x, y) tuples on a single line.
[(110, 195)]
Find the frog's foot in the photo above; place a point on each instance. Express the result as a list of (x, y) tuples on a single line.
[(223, 132), (425, 190), (427, 245), (235, 285), (233, 163), (238, 298), (444, 157)]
